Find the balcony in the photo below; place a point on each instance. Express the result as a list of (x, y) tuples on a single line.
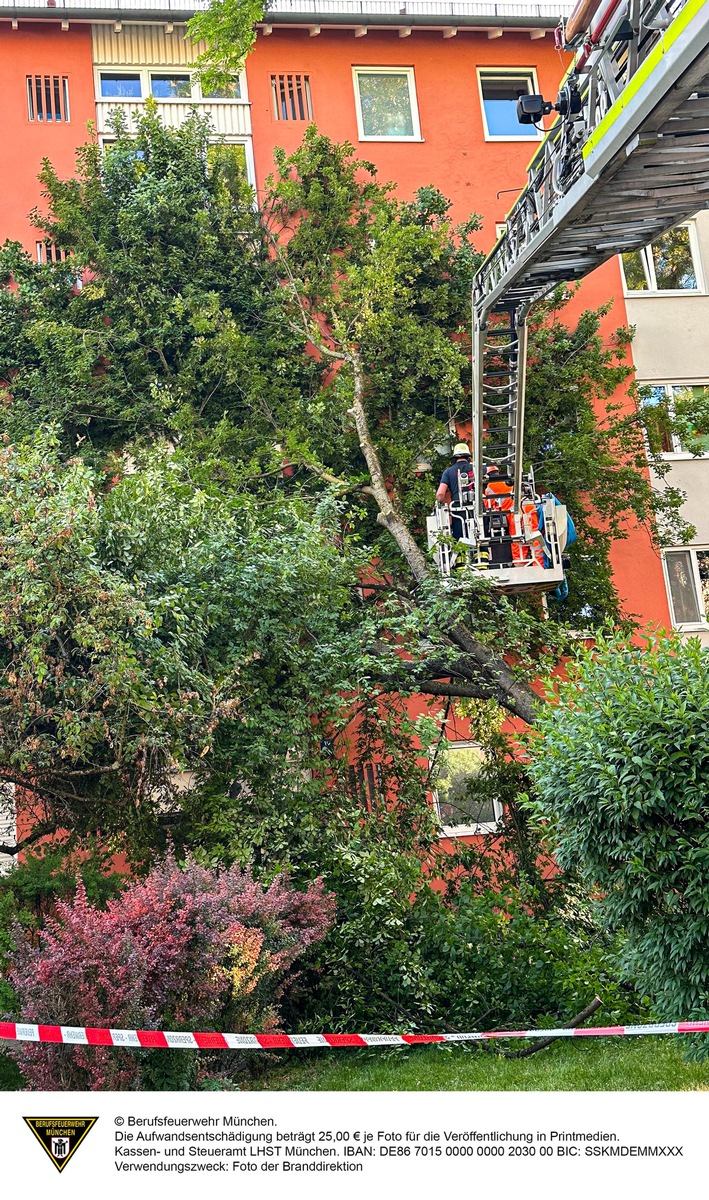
[(229, 118)]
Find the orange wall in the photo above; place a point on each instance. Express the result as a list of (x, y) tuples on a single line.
[(453, 156), (39, 48)]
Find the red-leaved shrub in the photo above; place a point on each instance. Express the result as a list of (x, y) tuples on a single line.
[(183, 948)]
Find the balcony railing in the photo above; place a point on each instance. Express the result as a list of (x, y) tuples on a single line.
[(485, 12), (230, 118)]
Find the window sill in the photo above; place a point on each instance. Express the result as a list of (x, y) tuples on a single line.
[(390, 139), (697, 628), (666, 293), (684, 456), (456, 831)]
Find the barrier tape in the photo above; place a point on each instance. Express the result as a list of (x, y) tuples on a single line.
[(71, 1035)]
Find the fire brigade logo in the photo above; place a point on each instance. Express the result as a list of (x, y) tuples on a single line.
[(60, 1137)]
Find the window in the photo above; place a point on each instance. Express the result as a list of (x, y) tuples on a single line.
[(230, 91), (669, 264), (687, 573), (229, 158), (365, 783), (291, 98), (121, 86), (171, 87), (48, 98), (385, 99), (671, 412), (498, 94), (108, 145), (462, 811), (49, 252)]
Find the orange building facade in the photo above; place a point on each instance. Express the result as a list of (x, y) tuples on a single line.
[(443, 75), (419, 92)]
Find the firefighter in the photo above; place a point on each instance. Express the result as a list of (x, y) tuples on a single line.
[(498, 497), (450, 490)]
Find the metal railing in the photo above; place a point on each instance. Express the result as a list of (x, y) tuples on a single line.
[(396, 8), (451, 8), (229, 118)]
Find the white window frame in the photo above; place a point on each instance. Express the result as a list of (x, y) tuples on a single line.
[(482, 827), (492, 72), (115, 73), (413, 102), (702, 625), (145, 73), (59, 254), (677, 454), (649, 267)]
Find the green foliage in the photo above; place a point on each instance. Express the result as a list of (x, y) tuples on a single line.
[(504, 938), (11, 916), (362, 269), (590, 448), (227, 28), (483, 957), (621, 765), (172, 325), (155, 628), (50, 873), (195, 313), (499, 958)]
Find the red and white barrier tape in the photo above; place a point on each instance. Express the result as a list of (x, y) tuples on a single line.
[(72, 1035)]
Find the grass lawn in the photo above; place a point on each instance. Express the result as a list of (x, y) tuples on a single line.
[(648, 1064), (612, 1064)]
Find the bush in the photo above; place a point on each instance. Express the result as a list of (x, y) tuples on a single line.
[(10, 916), (501, 961), (184, 948), (401, 956), (621, 766), (50, 873)]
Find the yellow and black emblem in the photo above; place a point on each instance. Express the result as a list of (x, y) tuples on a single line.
[(60, 1136)]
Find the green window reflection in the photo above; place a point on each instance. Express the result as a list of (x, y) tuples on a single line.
[(667, 265), (672, 259), (634, 268), (458, 797), (385, 104)]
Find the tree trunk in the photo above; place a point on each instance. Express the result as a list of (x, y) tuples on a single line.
[(388, 516), (497, 680)]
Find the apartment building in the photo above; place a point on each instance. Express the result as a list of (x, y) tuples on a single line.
[(424, 89), (667, 301)]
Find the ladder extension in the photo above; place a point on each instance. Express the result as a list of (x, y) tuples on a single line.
[(625, 161)]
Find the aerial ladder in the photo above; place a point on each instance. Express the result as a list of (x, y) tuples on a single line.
[(626, 159)]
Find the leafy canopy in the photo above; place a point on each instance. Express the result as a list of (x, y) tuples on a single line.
[(152, 626)]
